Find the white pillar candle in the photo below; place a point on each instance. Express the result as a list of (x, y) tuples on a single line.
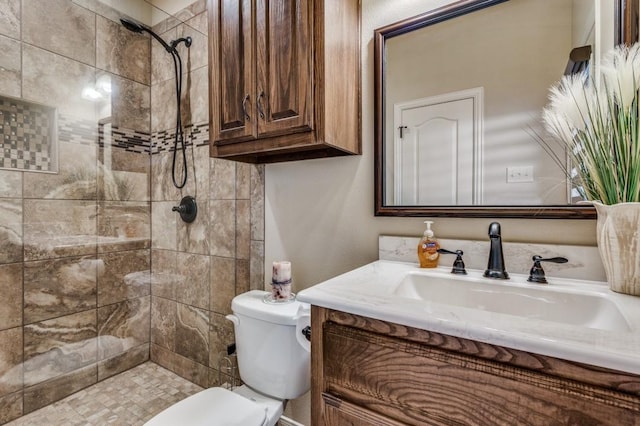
[(281, 272)]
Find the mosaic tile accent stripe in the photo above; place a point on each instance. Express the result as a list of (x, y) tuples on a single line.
[(76, 130), (127, 139), (28, 136), (87, 132), (194, 134)]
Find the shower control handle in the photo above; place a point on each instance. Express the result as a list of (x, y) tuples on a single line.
[(188, 209)]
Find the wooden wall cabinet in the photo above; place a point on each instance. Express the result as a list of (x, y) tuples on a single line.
[(371, 372), (284, 79)]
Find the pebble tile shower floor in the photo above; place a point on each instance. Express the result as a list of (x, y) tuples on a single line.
[(130, 398)]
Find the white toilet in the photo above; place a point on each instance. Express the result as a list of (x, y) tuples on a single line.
[(274, 364)]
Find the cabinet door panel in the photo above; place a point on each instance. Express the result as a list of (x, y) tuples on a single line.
[(284, 65), (232, 71)]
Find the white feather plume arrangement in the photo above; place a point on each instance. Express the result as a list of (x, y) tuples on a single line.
[(599, 126)]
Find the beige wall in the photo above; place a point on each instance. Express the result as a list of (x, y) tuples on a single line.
[(319, 213)]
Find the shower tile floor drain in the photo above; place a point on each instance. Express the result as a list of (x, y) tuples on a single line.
[(130, 398)]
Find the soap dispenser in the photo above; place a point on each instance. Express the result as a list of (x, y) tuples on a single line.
[(428, 248)]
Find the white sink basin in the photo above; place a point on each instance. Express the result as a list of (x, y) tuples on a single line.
[(522, 299), (576, 320)]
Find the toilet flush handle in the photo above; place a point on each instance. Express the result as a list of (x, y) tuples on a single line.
[(306, 332), (303, 327)]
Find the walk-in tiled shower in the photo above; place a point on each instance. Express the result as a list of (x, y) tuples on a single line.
[(97, 273)]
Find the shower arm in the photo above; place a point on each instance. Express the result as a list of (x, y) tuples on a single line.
[(171, 47), (168, 48), (175, 43)]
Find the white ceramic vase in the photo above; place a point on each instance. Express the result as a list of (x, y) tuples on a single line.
[(618, 233)]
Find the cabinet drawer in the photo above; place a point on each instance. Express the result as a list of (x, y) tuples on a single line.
[(418, 384), (343, 413)]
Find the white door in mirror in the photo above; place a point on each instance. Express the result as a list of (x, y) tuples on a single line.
[(437, 148)]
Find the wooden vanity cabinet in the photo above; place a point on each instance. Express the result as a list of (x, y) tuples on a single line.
[(284, 79), (371, 372)]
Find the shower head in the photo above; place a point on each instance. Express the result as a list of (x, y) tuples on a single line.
[(139, 28), (132, 26)]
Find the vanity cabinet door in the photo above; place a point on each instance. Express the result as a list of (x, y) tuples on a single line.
[(284, 79), (284, 66), (261, 69), (232, 71)]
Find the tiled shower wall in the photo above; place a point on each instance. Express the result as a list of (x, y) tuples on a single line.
[(28, 135), (197, 268), (74, 246)]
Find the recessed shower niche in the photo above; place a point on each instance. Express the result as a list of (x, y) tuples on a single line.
[(29, 136)]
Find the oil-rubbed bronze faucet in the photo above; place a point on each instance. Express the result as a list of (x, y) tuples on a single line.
[(536, 275), (495, 266), (458, 265)]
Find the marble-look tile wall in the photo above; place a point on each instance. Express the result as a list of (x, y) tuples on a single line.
[(75, 255), (97, 273), (197, 268)]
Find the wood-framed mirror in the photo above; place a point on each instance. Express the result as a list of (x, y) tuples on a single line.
[(483, 173)]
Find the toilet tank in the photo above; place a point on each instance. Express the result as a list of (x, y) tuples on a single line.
[(270, 358)]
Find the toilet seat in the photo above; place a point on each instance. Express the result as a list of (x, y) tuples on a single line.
[(213, 407), (272, 406)]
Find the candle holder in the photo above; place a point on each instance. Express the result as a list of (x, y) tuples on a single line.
[(281, 284), (280, 293)]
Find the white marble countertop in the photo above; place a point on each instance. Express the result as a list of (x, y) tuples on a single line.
[(371, 291)]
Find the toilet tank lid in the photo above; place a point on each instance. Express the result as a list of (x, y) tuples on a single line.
[(252, 304)]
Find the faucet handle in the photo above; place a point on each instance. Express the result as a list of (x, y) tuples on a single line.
[(536, 275), (458, 264)]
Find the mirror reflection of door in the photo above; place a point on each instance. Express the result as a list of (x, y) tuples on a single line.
[(437, 146)]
